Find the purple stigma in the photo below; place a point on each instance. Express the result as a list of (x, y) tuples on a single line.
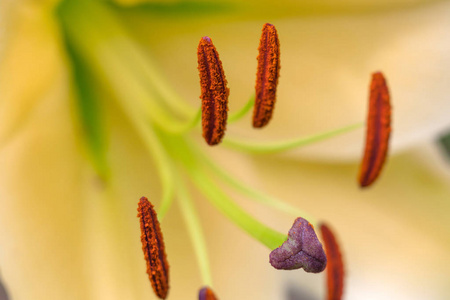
[(302, 249)]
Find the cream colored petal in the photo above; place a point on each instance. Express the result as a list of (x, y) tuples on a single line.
[(41, 254), (62, 236), (326, 63), (28, 65), (394, 235)]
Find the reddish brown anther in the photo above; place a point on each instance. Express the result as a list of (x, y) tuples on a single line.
[(214, 92), (335, 266), (206, 294), (153, 247), (266, 76), (378, 131)]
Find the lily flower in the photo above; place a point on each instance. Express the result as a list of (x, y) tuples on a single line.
[(89, 124)]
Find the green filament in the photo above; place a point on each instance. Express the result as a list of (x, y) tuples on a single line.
[(267, 236), (257, 195), (184, 128), (243, 111), (195, 231), (276, 147)]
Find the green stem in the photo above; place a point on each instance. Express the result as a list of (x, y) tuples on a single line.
[(243, 111), (269, 237), (160, 157), (255, 194), (185, 154), (195, 232), (276, 147)]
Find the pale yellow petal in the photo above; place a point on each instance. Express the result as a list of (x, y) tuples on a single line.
[(326, 63), (40, 236), (61, 237), (41, 255), (394, 235), (29, 63)]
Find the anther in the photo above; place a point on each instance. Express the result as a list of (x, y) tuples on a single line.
[(214, 92), (153, 248), (378, 131), (266, 76), (335, 266)]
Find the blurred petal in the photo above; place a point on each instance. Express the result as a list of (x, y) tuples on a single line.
[(41, 255), (59, 237), (63, 235), (29, 47), (40, 174), (394, 237), (326, 62)]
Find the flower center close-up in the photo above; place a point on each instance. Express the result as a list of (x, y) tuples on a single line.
[(281, 169)]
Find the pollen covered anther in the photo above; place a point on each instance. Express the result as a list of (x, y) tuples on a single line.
[(153, 248), (302, 249), (378, 131), (206, 294), (214, 92), (335, 265), (266, 76)]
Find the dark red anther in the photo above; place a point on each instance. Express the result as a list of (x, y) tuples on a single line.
[(266, 76), (335, 266), (214, 92), (378, 131), (153, 248)]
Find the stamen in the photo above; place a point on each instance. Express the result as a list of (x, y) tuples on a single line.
[(214, 92), (302, 249), (335, 267), (195, 231), (266, 76), (378, 131), (206, 294), (153, 247)]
